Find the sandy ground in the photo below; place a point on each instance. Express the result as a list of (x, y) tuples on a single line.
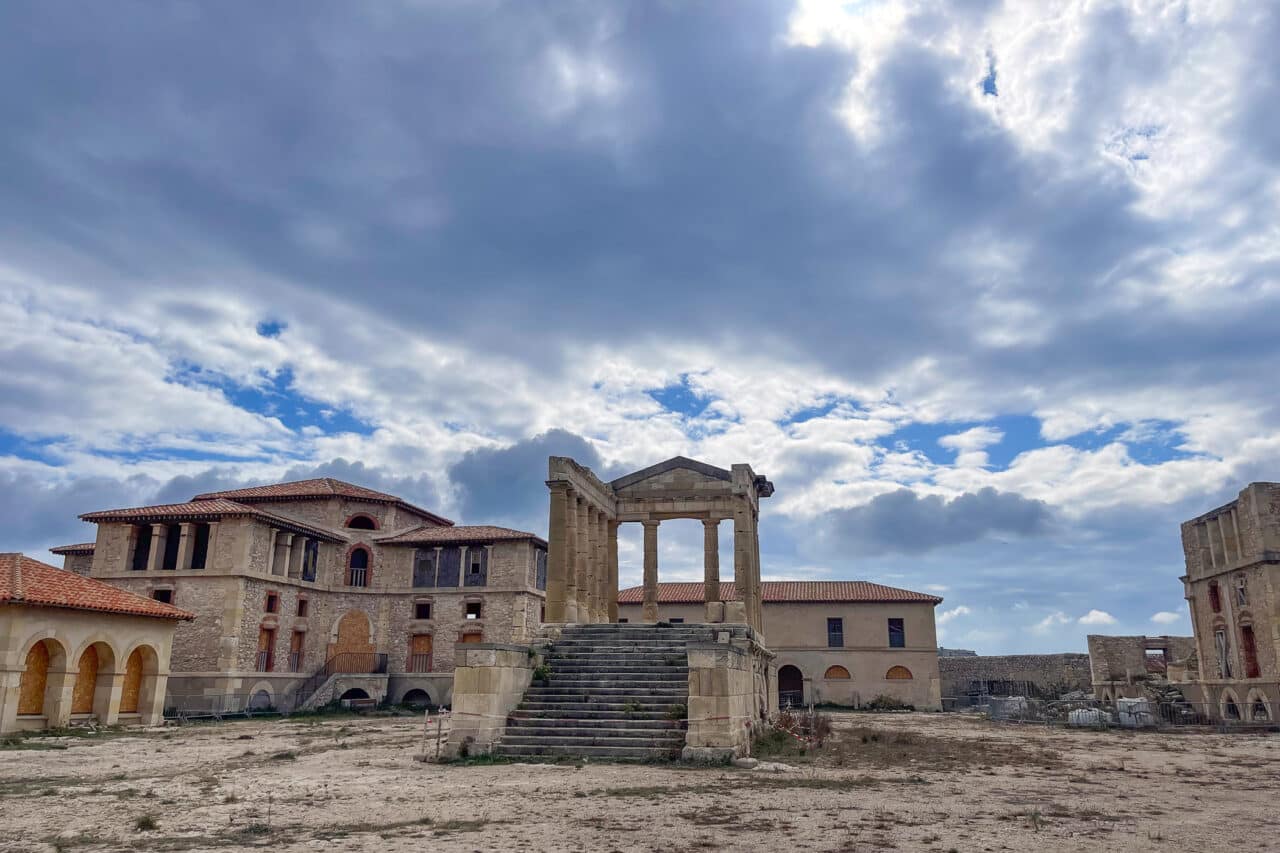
[(888, 781)]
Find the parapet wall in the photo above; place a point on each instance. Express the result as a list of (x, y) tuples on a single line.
[(1004, 674)]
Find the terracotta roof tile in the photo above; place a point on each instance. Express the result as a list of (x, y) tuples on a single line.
[(320, 487), (458, 533), (784, 591), (27, 581), (206, 510), (82, 548)]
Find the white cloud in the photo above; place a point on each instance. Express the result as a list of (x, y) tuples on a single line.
[(1053, 620), (1166, 617), (948, 615), (1097, 617)]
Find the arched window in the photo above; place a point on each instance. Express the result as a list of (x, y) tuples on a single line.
[(836, 672), (132, 683), (898, 673), (362, 522), (358, 567)]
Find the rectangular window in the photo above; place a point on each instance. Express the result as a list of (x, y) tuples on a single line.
[(424, 568), (200, 548), (835, 633), (141, 548), (419, 653), (897, 634), (676, 620), (1215, 598), (1249, 649), (310, 559), (422, 610), (540, 569), (172, 539), (297, 644), (273, 603), (473, 610), (302, 607), (1242, 592), (477, 566), (472, 638), (620, 619), (165, 595), (1224, 652)]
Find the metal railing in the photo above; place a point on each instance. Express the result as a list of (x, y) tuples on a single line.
[(265, 662), (295, 661), (419, 663), (347, 663)]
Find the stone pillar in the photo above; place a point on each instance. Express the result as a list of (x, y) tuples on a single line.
[(713, 607), (210, 548), (297, 555), (602, 568), (650, 612), (186, 545), (156, 557), (590, 592), (741, 610), (271, 550), (584, 551), (571, 559), (59, 684), (557, 551), (757, 595), (283, 551), (613, 570)]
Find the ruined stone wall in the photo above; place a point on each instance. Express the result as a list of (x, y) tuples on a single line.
[(1047, 672)]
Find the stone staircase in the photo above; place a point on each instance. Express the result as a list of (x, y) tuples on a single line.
[(614, 691)]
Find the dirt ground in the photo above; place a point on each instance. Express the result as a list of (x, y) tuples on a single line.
[(886, 781)]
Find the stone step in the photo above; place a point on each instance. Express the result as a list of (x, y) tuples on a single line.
[(595, 713), (617, 694), (595, 739), (621, 658), (614, 753), (653, 673), (641, 709), (621, 723), (589, 680)]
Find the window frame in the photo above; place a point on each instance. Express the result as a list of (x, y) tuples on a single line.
[(467, 615), (835, 632), (900, 633), (417, 610)]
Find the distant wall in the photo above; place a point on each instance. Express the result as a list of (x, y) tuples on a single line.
[(1005, 674)]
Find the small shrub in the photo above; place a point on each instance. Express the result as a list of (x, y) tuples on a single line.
[(145, 823), (888, 703), (287, 755), (541, 672), (678, 712)]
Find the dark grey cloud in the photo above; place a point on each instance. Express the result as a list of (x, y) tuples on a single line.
[(39, 514), (904, 522), (507, 486)]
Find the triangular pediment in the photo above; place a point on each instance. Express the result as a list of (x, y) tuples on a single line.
[(678, 471)]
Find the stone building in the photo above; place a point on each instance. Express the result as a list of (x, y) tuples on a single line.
[(842, 642), (1123, 667), (1232, 587), (307, 591), (973, 679), (74, 649)]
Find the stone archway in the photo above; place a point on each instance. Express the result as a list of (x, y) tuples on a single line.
[(790, 686)]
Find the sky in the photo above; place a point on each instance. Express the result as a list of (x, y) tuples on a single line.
[(987, 289)]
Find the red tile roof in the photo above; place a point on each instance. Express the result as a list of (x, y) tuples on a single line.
[(457, 534), (82, 548), (207, 510), (785, 591), (320, 487), (31, 582)]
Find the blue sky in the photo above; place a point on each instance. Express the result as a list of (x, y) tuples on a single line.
[(988, 290)]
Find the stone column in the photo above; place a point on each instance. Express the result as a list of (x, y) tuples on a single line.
[(155, 557), (186, 545), (271, 550), (588, 589), (602, 568), (571, 559), (556, 551), (284, 550), (580, 566), (757, 593), (741, 565), (297, 555), (212, 545), (711, 560), (650, 612), (613, 570)]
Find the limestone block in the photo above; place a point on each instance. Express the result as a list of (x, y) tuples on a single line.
[(715, 612), (735, 611)]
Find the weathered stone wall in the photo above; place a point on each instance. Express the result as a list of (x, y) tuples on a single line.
[(1046, 672), (726, 698), (488, 684)]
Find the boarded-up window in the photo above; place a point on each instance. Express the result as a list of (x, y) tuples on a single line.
[(86, 681), (450, 566), (32, 683), (540, 576), (424, 567), (132, 683), (836, 672), (898, 673), (477, 566), (419, 653), (472, 638), (1249, 649)]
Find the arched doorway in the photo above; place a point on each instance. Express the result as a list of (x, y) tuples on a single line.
[(790, 687), (94, 661), (416, 698), (131, 690), (353, 693), (352, 635), (260, 701), (33, 684)]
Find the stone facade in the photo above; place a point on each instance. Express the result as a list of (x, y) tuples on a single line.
[(1048, 676), (1121, 667), (1232, 586), (296, 583), (853, 673)]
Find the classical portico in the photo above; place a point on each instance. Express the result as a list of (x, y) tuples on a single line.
[(582, 572)]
